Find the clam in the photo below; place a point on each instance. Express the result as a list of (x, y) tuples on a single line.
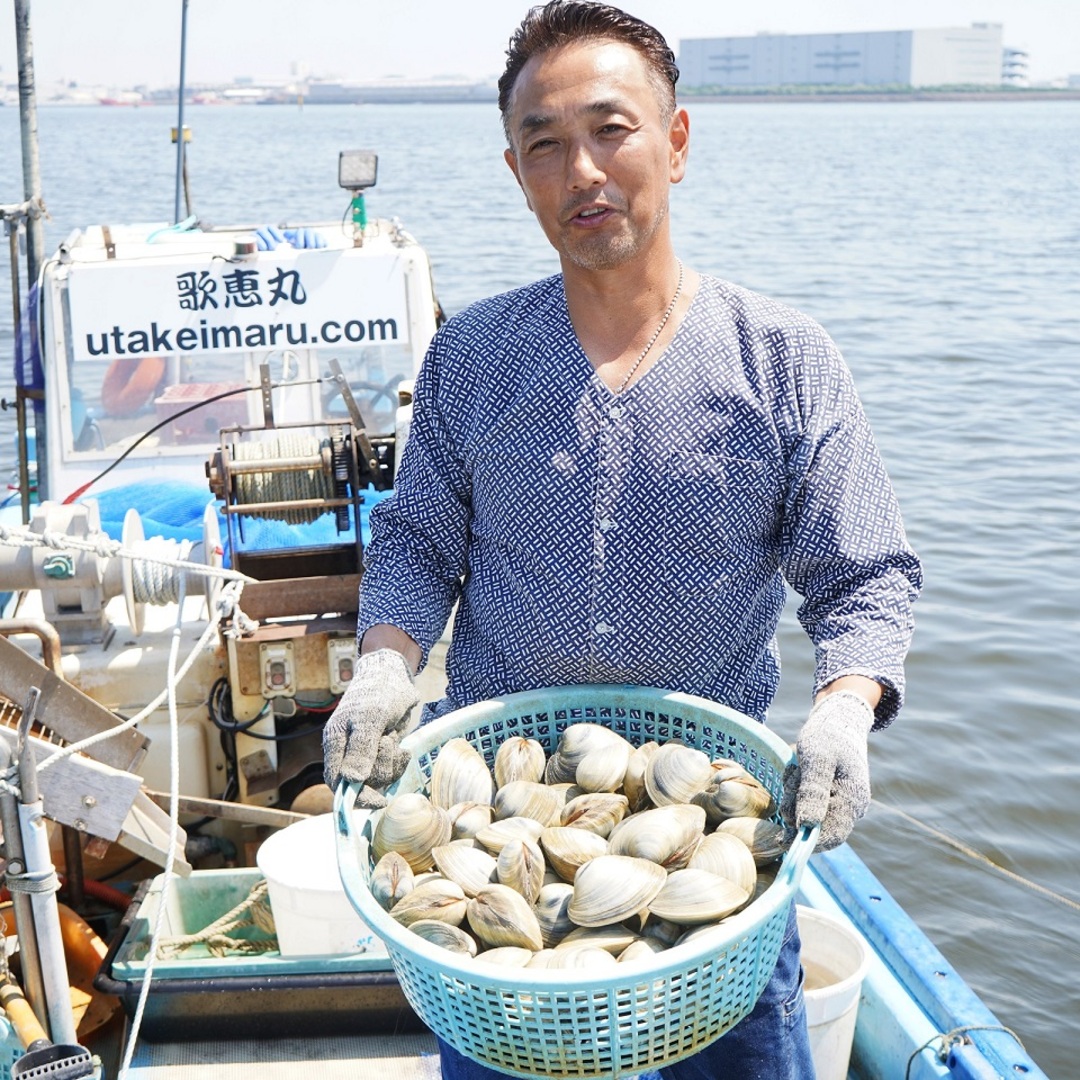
[(568, 849), (733, 792), (551, 912), (521, 866), (439, 899), (585, 956), (676, 773), (611, 888), (465, 864), (662, 931), (411, 826), (460, 774), (507, 956), (726, 855), (499, 916), (540, 959), (765, 839), (603, 769), (641, 948), (525, 798), (697, 934), (519, 758), (449, 937), (391, 879), (696, 896), (574, 743), (468, 818), (498, 833), (666, 836), (766, 876), (634, 778), (613, 938), (599, 812)]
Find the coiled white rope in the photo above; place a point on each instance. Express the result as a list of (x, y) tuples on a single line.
[(155, 575)]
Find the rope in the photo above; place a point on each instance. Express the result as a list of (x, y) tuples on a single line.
[(174, 677), (979, 857), (253, 910), (106, 548), (955, 1038), (288, 485), (231, 593), (34, 882), (155, 578)]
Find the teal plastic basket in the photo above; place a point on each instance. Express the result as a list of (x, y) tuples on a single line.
[(567, 1023)]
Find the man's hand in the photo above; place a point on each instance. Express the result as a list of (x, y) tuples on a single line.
[(360, 740), (830, 782)]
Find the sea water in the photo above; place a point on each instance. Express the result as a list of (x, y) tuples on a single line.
[(939, 243)]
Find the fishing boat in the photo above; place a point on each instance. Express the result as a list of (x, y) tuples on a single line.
[(207, 416)]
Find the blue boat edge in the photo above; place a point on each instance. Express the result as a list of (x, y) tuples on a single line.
[(918, 1018)]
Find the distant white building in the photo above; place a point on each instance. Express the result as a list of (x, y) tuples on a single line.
[(946, 57)]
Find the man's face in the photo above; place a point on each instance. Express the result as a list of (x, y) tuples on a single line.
[(593, 153)]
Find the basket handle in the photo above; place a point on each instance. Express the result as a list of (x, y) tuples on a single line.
[(352, 845), (798, 855)]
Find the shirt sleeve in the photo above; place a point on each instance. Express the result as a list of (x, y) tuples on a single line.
[(844, 548), (416, 559)]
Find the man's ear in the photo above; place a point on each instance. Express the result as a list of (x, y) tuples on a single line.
[(679, 138)]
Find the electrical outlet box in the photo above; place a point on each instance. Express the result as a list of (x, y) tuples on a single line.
[(278, 667), (341, 656)]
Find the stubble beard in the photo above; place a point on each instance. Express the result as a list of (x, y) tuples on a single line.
[(602, 252)]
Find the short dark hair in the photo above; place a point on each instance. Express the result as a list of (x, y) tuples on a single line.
[(566, 22)]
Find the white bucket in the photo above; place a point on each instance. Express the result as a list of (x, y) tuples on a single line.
[(835, 961), (311, 911)]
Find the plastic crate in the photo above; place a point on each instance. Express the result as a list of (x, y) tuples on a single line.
[(199, 996), (566, 1023)]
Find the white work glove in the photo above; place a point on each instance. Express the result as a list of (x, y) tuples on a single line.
[(829, 784), (360, 740)]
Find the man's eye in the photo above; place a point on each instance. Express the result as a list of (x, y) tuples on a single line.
[(540, 144)]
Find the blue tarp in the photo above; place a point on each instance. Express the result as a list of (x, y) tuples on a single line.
[(174, 510)]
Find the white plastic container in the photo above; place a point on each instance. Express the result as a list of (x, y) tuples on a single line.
[(311, 911), (835, 961)]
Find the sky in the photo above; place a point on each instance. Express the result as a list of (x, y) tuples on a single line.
[(124, 43)]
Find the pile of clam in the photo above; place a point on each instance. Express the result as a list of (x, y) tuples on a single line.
[(602, 853)]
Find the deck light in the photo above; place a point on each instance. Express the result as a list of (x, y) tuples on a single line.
[(357, 170)]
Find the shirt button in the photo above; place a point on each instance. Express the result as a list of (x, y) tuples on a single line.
[(615, 412), (602, 628), (607, 524)]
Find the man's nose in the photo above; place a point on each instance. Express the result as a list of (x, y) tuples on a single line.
[(582, 169)]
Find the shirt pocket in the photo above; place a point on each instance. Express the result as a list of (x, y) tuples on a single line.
[(721, 518)]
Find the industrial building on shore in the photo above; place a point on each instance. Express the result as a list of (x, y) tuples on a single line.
[(956, 56)]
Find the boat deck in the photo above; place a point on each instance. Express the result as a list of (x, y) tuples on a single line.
[(355, 1057)]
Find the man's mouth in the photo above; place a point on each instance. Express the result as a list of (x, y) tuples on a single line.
[(592, 215)]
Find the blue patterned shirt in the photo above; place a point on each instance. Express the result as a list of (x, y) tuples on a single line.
[(642, 537)]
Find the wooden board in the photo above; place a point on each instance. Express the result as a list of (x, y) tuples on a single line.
[(65, 710)]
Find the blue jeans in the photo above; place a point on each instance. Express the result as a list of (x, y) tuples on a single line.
[(771, 1043)]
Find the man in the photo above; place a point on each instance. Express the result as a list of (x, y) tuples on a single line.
[(612, 471)]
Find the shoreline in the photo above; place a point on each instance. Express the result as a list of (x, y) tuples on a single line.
[(772, 97)]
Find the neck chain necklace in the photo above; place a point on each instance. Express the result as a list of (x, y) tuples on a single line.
[(656, 333)]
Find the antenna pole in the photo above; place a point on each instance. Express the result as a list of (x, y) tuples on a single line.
[(180, 151), (35, 231)]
